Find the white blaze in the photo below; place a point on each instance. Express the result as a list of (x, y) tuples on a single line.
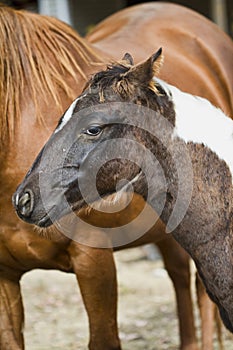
[(67, 116)]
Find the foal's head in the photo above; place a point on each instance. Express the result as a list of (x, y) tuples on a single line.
[(103, 144)]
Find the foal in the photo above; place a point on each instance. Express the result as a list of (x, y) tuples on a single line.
[(169, 147)]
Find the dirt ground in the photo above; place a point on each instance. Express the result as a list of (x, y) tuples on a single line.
[(56, 318)]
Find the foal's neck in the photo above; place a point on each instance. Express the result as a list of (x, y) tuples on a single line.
[(207, 133)]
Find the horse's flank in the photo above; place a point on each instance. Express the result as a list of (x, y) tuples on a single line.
[(198, 55), (27, 41)]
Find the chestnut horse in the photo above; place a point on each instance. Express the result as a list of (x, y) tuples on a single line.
[(45, 64)]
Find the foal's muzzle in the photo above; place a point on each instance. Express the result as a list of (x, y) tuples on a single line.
[(23, 203)]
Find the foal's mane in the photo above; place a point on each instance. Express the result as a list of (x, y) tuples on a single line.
[(128, 86), (36, 54)]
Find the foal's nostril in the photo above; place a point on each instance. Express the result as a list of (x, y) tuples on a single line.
[(25, 203)]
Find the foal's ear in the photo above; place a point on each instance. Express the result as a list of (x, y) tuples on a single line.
[(157, 61), (145, 71), (128, 59)]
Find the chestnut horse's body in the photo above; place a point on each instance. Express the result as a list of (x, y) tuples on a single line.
[(193, 47), (30, 110)]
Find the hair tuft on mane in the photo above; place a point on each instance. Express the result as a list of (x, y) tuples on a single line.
[(36, 52)]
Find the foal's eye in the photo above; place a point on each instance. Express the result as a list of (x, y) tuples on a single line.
[(93, 130)]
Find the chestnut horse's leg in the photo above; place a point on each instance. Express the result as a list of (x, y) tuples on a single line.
[(207, 313), (176, 262), (11, 315), (96, 274)]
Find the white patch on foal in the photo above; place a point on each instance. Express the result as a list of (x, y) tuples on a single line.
[(68, 114), (198, 121)]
